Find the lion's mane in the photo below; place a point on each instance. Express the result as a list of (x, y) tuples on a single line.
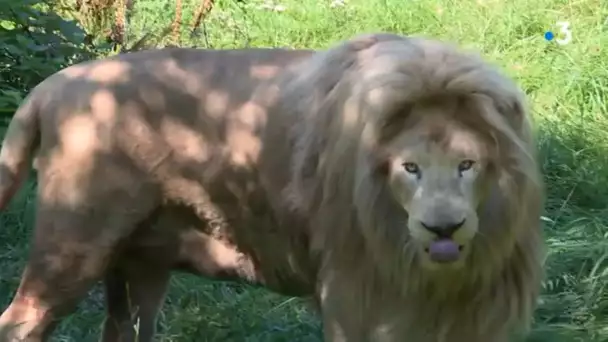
[(347, 102)]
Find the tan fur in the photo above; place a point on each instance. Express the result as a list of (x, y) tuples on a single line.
[(184, 159)]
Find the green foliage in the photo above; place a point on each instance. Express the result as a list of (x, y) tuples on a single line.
[(35, 42)]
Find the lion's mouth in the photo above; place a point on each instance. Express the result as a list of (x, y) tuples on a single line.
[(444, 250), (460, 247)]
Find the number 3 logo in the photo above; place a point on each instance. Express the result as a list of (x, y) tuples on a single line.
[(564, 28)]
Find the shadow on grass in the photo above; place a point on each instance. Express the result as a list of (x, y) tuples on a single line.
[(574, 305)]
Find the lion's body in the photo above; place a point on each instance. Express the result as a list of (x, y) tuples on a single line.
[(203, 161)]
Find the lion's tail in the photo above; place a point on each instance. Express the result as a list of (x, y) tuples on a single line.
[(20, 140)]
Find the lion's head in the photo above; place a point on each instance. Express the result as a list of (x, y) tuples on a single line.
[(437, 171), (431, 147)]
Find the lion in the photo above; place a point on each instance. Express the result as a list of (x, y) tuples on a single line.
[(393, 179)]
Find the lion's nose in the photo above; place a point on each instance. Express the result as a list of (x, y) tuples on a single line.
[(444, 230)]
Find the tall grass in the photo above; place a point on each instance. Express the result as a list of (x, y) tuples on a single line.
[(568, 91)]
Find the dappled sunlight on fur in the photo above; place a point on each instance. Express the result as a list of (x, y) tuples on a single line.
[(187, 144), (146, 164)]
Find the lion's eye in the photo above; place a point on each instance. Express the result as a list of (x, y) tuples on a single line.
[(411, 167), (465, 165)]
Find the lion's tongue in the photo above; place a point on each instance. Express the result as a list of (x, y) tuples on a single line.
[(444, 250)]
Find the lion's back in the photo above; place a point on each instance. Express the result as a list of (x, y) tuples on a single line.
[(189, 100)]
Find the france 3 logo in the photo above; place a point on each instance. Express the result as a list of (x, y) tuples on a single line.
[(564, 35)]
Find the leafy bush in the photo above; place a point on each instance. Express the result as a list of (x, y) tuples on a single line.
[(35, 42)]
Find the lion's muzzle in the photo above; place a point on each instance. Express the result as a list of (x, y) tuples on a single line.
[(445, 230)]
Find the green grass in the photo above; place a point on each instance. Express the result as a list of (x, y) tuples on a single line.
[(568, 91)]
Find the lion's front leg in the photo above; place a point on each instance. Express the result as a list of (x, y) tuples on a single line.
[(348, 321), (338, 326), (345, 318)]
